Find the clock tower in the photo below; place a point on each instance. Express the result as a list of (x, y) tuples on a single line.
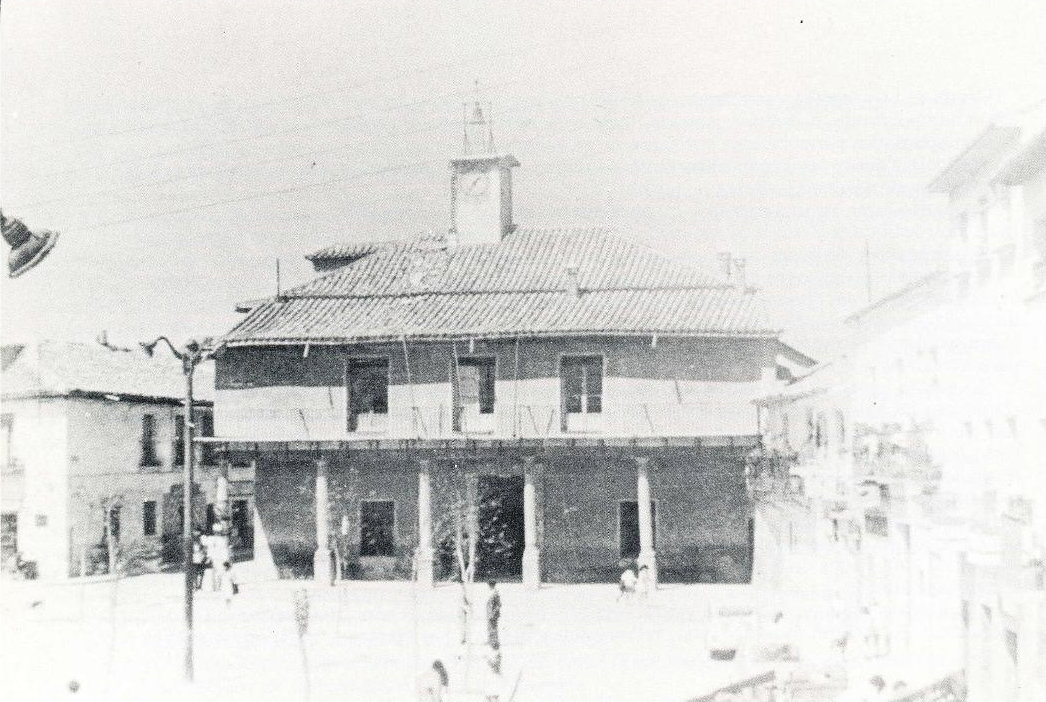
[(480, 186)]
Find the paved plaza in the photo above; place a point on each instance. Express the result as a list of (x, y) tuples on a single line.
[(367, 640)]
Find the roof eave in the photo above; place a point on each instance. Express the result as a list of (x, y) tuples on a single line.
[(458, 335)]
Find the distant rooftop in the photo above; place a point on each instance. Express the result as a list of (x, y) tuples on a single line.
[(72, 369)]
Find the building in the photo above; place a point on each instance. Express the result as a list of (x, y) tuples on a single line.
[(553, 402), (92, 455), (914, 462)]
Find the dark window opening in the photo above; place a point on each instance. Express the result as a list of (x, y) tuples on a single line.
[(475, 388), (476, 382), (628, 513), (582, 384), (179, 439), (377, 525), (211, 518), (149, 457), (206, 429), (242, 519), (114, 522), (149, 518), (368, 389)]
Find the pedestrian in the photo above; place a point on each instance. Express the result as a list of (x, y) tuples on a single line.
[(643, 581), (199, 561), (492, 689), (229, 585), (626, 583), (493, 616), (432, 684)]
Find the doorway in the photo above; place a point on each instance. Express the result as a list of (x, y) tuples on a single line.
[(500, 515)]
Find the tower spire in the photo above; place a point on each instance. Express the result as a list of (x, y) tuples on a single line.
[(478, 131)]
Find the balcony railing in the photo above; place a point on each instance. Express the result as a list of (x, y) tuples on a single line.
[(507, 421)]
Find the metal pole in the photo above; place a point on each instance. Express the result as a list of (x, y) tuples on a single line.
[(188, 366)]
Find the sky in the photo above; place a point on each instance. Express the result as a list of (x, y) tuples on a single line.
[(181, 149)]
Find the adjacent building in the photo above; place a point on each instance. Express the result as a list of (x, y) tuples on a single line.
[(92, 457), (914, 464), (535, 403)]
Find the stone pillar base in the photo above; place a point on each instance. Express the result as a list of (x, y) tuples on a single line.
[(426, 575), (531, 567), (323, 567), (649, 559)]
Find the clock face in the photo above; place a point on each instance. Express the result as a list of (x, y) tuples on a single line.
[(475, 183)]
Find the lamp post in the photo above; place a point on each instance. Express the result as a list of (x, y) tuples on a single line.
[(190, 356)]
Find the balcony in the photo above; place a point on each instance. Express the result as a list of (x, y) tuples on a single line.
[(444, 421)]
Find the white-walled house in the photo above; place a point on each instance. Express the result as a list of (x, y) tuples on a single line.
[(91, 434)]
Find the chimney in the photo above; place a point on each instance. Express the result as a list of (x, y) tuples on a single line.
[(573, 288), (726, 260), (739, 273)]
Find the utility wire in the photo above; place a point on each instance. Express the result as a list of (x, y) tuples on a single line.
[(259, 195), (271, 133), (281, 159), (419, 70)]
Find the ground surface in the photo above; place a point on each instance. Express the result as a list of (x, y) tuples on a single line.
[(367, 641)]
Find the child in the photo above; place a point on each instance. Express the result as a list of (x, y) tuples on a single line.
[(228, 583), (643, 581), (627, 584), (493, 616), (492, 688)]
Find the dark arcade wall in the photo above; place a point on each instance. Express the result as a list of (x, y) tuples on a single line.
[(702, 512)]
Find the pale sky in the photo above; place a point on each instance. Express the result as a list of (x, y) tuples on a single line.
[(181, 148)]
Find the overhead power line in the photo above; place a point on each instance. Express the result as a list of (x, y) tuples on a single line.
[(273, 133), (260, 195), (262, 105)]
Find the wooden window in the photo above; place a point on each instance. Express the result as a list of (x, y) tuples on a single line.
[(178, 449), (368, 389), (149, 457), (205, 424), (377, 528), (476, 383), (149, 518), (628, 527), (581, 380)]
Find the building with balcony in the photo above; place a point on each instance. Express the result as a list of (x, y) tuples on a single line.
[(551, 401), (915, 459), (92, 455)]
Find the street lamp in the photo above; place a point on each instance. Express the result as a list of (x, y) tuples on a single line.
[(190, 356), (28, 248)]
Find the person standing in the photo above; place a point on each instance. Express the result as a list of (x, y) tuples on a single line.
[(493, 616), (627, 583), (493, 683), (432, 684), (199, 561), (643, 582), (229, 585)]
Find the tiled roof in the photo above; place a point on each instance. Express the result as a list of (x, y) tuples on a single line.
[(517, 286), (54, 368)]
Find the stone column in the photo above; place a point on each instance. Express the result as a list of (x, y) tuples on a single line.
[(322, 569), (531, 550), (425, 554), (647, 555)]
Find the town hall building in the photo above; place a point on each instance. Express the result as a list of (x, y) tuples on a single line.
[(541, 404)]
